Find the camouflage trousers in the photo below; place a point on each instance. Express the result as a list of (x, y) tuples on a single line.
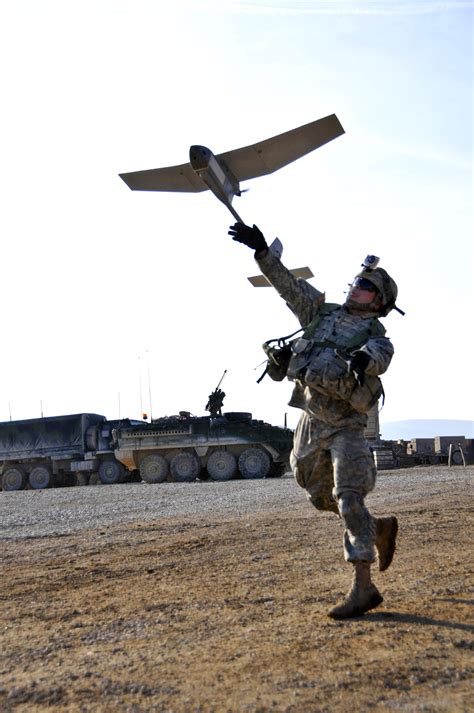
[(336, 468)]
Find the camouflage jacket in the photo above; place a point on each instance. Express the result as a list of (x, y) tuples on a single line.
[(324, 386)]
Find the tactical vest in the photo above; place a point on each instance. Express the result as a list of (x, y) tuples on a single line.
[(372, 328), (331, 376)]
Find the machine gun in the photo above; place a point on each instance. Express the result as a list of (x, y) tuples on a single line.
[(216, 399)]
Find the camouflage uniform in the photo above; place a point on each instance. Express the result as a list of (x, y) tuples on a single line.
[(331, 458)]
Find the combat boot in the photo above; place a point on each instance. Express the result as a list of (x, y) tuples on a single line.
[(363, 596), (385, 540)]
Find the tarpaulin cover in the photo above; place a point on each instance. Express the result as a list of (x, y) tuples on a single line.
[(55, 436)]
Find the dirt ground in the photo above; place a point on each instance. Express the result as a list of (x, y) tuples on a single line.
[(230, 614)]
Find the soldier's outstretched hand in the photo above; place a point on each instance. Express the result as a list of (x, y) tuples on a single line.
[(252, 237)]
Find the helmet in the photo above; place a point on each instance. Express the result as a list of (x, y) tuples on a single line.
[(386, 287)]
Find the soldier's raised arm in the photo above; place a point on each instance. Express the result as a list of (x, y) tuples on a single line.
[(302, 298)]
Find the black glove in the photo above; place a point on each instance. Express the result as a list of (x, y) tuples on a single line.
[(252, 237), (358, 363)]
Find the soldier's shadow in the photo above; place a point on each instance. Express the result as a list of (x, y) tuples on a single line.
[(399, 618)]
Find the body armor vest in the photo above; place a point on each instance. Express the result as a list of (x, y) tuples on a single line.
[(320, 357)]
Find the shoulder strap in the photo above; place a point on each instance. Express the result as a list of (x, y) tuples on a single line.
[(323, 311), (374, 329)]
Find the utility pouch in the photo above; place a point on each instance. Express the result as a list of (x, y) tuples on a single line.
[(278, 353), (300, 345), (278, 360), (364, 397)]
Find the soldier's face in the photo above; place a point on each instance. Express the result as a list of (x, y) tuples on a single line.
[(362, 296)]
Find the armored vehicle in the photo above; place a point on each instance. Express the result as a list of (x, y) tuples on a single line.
[(185, 447)]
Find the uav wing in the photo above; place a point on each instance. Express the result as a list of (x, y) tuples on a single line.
[(248, 162), (270, 155), (173, 178)]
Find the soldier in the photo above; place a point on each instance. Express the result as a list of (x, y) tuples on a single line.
[(335, 367), (215, 403)]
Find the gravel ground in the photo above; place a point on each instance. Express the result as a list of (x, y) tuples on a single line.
[(62, 511), (213, 598)]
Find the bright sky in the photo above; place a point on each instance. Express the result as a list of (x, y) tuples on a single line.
[(109, 295)]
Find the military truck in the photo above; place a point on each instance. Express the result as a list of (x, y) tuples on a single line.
[(58, 450), (185, 447)]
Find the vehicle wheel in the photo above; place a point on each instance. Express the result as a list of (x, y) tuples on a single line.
[(221, 465), (40, 477), (14, 478), (92, 437), (254, 463), (111, 472), (154, 469), (456, 458), (185, 467)]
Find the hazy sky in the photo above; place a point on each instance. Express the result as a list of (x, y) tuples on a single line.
[(109, 295)]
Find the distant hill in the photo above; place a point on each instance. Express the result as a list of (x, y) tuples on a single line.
[(425, 428)]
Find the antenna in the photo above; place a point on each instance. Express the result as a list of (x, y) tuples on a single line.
[(149, 384), (140, 385)]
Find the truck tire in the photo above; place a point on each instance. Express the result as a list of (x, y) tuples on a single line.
[(154, 469), (111, 472), (221, 465), (185, 467), (40, 477), (254, 463), (92, 438), (456, 458), (14, 478)]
